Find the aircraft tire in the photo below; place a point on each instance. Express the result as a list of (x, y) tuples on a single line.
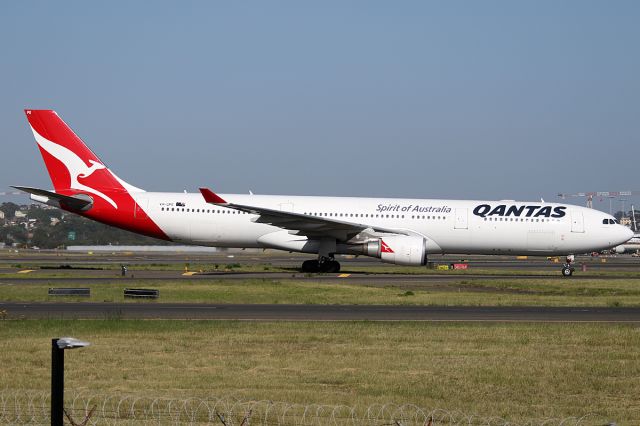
[(329, 266), (567, 271), (332, 266), (310, 266)]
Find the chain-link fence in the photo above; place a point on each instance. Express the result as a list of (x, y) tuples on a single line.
[(33, 407)]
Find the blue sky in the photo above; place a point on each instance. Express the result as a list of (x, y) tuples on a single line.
[(489, 100)]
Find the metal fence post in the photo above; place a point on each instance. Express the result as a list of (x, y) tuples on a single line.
[(57, 383)]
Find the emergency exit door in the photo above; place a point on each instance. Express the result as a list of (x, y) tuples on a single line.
[(462, 220), (141, 206)]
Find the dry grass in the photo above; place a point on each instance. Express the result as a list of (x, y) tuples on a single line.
[(518, 371), (504, 292)]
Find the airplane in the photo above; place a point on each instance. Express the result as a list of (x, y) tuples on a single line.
[(396, 230)]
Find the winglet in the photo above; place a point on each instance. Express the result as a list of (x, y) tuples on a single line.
[(211, 197)]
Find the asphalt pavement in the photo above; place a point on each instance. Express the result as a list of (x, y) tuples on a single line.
[(271, 312)]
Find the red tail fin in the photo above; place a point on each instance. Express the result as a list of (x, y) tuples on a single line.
[(74, 170), (71, 164)]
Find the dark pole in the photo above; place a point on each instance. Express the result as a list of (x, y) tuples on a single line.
[(57, 383)]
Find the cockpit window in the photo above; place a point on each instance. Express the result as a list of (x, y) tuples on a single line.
[(609, 221), (605, 221)]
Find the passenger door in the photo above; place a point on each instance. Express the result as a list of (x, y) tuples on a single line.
[(577, 221), (462, 221)]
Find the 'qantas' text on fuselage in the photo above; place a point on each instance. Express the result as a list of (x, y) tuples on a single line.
[(484, 210)]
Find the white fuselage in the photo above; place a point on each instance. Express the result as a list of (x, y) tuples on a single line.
[(449, 226)]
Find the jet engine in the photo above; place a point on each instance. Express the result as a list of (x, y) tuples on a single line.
[(399, 249), (619, 249)]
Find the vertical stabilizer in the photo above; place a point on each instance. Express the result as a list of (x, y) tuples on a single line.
[(77, 172)]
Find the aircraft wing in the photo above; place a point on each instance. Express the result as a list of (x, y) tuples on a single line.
[(308, 225)]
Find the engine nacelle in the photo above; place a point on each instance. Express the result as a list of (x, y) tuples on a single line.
[(399, 249), (619, 249)]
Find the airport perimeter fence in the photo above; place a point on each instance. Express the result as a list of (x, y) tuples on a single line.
[(32, 407)]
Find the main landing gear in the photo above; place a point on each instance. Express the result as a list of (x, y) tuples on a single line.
[(567, 268), (323, 264)]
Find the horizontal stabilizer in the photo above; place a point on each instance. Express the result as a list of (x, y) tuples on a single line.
[(44, 196)]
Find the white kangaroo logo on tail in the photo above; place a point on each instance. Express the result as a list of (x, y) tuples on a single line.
[(74, 164)]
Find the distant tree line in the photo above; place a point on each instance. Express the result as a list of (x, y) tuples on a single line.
[(71, 229), (9, 209)]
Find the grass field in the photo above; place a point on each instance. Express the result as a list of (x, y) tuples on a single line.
[(516, 371), (504, 292), (349, 269)]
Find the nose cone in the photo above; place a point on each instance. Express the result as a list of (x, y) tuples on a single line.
[(625, 234)]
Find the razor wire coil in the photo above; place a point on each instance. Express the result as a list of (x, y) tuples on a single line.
[(33, 408)]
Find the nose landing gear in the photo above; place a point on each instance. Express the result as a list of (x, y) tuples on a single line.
[(567, 268)]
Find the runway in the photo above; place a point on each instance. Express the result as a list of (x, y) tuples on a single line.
[(413, 281), (270, 312), (63, 269), (293, 261)]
